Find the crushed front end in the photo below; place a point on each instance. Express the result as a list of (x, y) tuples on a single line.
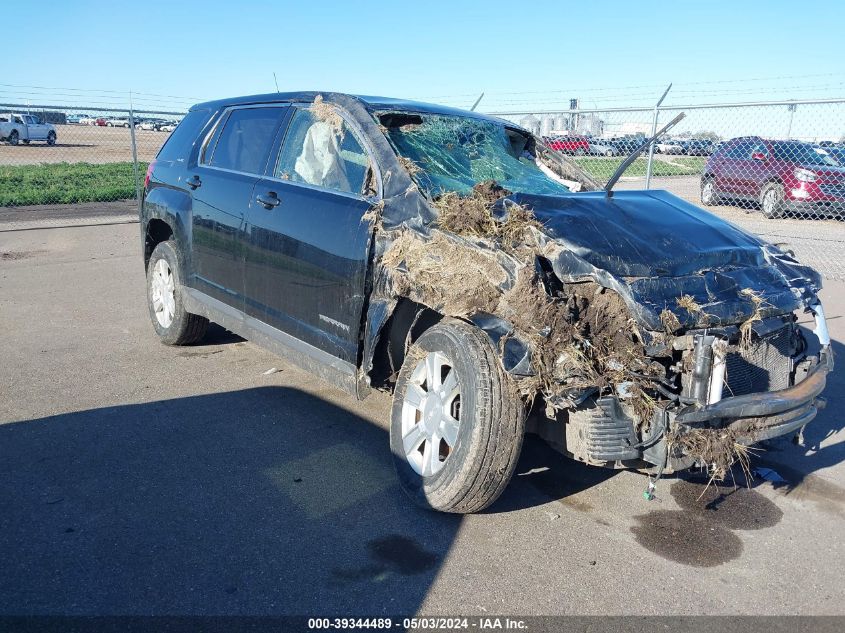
[(721, 390)]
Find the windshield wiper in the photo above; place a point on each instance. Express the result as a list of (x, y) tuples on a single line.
[(627, 162)]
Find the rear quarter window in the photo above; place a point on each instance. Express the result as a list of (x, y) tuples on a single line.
[(181, 140)]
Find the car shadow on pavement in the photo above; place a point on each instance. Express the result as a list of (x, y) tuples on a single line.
[(543, 474), (217, 335), (261, 501)]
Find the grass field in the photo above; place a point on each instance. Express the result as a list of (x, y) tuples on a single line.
[(67, 183), (603, 168)]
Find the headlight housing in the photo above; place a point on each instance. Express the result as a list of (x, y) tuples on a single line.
[(805, 175)]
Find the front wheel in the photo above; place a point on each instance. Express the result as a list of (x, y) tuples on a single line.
[(772, 200), (51, 138), (457, 422), (173, 324), (709, 197), (580, 151)]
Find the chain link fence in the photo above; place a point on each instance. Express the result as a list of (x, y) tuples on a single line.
[(773, 168), (52, 155)]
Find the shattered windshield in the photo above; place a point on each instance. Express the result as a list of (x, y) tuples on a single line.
[(454, 153)]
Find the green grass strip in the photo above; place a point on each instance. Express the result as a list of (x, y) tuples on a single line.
[(603, 168), (55, 183)]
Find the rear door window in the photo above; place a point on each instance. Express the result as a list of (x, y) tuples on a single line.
[(245, 140), (323, 152)]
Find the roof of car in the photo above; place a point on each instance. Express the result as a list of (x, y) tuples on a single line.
[(371, 102)]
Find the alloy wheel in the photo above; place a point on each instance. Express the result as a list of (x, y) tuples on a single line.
[(431, 414), (163, 293), (707, 192)]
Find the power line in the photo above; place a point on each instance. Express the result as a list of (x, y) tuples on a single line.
[(124, 93)]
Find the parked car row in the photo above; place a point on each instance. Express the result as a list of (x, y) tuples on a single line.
[(688, 147), (144, 123), (580, 145), (780, 176)]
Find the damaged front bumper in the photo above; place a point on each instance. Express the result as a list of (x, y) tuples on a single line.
[(753, 417), (607, 434), (761, 416)]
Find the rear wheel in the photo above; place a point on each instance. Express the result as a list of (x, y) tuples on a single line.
[(772, 200), (457, 424), (173, 324), (13, 137), (580, 151)]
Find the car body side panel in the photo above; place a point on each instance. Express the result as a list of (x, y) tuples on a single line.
[(754, 172), (306, 265), (218, 217), (36, 131)]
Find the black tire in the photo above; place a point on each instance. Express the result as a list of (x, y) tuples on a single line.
[(709, 196), (772, 200), (185, 328), (491, 423), (580, 151), (51, 138), (13, 138)]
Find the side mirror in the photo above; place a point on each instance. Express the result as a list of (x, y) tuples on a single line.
[(758, 156)]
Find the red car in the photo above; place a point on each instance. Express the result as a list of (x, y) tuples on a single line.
[(578, 145), (780, 176), (101, 122)]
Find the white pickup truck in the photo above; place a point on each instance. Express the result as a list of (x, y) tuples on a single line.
[(25, 127)]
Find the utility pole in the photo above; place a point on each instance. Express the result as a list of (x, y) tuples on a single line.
[(134, 152), (792, 107)]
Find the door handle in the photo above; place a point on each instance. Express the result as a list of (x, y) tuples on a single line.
[(193, 182), (268, 201)]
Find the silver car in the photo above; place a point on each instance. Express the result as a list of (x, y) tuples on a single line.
[(599, 148)]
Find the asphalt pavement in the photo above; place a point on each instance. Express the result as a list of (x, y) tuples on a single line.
[(142, 479)]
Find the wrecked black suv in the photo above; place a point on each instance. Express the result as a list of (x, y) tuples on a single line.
[(454, 259)]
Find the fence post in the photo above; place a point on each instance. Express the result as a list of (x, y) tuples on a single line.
[(134, 152), (653, 132)]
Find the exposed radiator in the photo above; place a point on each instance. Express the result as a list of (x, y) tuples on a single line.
[(766, 366)]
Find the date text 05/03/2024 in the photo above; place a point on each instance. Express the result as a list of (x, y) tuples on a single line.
[(420, 624)]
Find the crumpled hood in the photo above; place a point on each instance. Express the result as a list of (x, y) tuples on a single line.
[(653, 248), (643, 233)]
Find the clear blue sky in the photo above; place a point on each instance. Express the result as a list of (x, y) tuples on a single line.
[(524, 55)]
